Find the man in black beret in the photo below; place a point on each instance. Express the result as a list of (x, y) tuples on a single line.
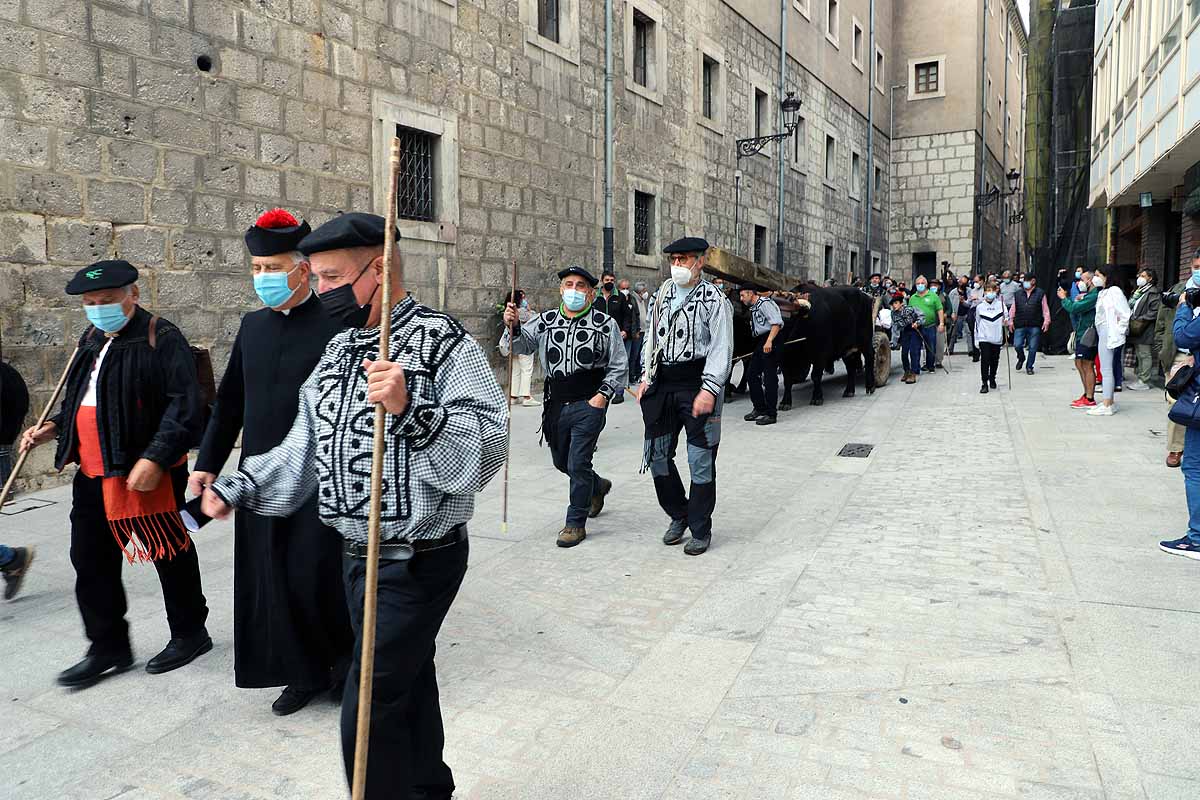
[(290, 623), (583, 359), (446, 429), (690, 346), (131, 409), (762, 373)]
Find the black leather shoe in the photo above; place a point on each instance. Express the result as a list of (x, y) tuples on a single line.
[(92, 668), (1020, 364), (983, 389), (753, 415), (14, 573), (765, 420), (992, 382), (179, 652), (674, 534), (695, 546), (293, 699), (598, 498)]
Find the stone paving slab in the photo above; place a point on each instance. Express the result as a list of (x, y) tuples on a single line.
[(977, 611)]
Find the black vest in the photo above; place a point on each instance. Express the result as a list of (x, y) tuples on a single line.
[(1029, 309)]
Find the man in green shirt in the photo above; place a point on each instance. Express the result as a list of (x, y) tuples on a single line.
[(930, 305)]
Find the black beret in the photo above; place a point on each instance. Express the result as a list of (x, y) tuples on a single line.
[(274, 232), (103, 275), (354, 229), (751, 286), (688, 244), (575, 269)]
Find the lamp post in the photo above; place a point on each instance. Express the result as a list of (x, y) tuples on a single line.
[(748, 147), (990, 197)]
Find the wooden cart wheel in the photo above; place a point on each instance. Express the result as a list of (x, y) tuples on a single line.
[(883, 358)]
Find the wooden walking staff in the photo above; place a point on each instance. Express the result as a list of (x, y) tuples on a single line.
[(366, 673), (12, 479), (512, 341)]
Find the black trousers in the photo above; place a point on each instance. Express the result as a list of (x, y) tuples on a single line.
[(763, 375), (97, 560), (989, 360), (404, 760), (571, 446), (703, 436)]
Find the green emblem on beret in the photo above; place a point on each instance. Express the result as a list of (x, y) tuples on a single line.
[(92, 274)]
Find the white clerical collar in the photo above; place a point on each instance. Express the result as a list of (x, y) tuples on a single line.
[(287, 311)]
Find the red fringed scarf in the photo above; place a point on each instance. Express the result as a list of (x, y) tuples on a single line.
[(146, 525)]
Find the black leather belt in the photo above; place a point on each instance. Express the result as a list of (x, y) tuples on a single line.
[(403, 551)]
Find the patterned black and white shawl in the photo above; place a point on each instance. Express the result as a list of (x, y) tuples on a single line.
[(687, 324), (566, 345)]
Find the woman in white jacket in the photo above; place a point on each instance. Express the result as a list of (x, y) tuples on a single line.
[(1112, 325)]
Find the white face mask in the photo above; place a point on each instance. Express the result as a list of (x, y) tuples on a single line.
[(1098, 281), (1141, 282), (681, 275)]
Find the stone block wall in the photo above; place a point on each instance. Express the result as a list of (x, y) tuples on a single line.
[(156, 130)]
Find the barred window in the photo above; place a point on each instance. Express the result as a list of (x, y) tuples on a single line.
[(414, 186), (760, 243), (927, 77), (643, 222), (548, 19)]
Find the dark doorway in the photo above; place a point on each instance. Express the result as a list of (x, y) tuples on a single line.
[(925, 264), (1171, 254)]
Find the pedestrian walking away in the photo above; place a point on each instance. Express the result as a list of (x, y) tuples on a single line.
[(132, 407), (583, 358), (766, 322), (1028, 319), (1112, 323), (683, 387), (634, 338), (446, 438), (291, 627), (989, 335), (1144, 306), (14, 564), (1186, 331), (14, 405), (1082, 311)]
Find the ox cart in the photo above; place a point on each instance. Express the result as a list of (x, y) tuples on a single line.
[(735, 269)]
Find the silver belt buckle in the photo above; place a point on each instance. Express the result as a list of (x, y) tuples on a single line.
[(403, 551)]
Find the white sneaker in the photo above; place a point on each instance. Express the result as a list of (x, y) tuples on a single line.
[(1102, 411), (1137, 386), (530, 402)]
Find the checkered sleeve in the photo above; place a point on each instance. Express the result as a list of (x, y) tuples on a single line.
[(719, 362), (459, 438), (279, 481)]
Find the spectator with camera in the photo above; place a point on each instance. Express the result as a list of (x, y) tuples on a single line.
[(1082, 311)]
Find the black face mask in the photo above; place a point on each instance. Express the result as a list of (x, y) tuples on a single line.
[(608, 287), (342, 305)]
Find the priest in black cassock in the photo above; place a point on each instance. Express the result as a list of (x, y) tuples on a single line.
[(291, 626)]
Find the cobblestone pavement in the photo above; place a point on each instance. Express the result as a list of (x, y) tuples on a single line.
[(977, 611)]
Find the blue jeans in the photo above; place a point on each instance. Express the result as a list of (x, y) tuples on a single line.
[(633, 352), (572, 441), (1190, 466), (1021, 336), (7, 554), (929, 340), (910, 350)]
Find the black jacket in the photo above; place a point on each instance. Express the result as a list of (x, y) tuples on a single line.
[(148, 400), (618, 307), (273, 354), (14, 403)]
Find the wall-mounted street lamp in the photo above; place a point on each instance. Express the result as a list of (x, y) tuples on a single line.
[(751, 146)]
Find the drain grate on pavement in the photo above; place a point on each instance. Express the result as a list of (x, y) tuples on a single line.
[(856, 450)]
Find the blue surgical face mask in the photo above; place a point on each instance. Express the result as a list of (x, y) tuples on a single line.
[(921, 287), (989, 296), (524, 304), (1027, 284), (1078, 273), (109, 317), (573, 299), (272, 288)]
